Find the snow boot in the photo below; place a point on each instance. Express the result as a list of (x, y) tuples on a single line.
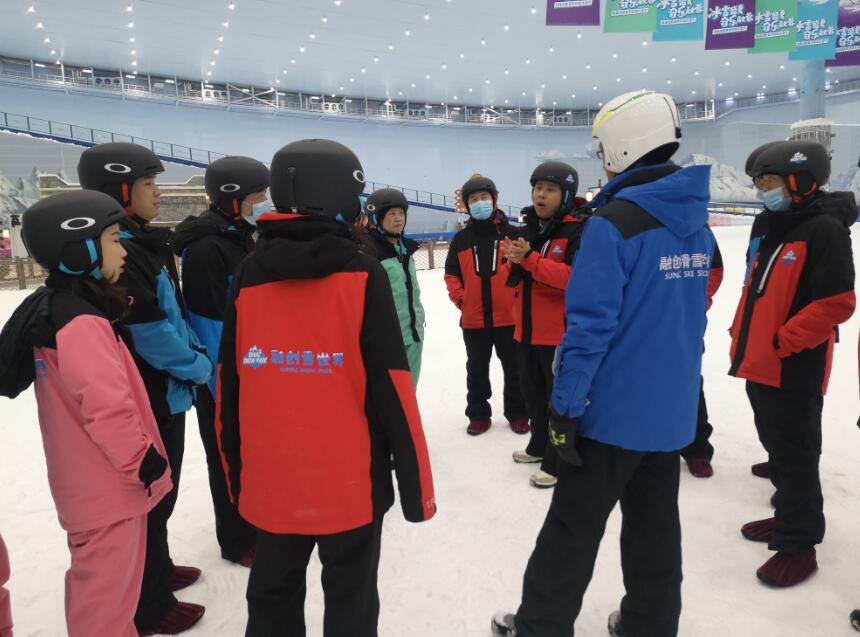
[(700, 467), (182, 577), (503, 625), (478, 426), (855, 619), (520, 425), (523, 457), (247, 560), (614, 625), (784, 569), (182, 617), (542, 480), (759, 531), (761, 470)]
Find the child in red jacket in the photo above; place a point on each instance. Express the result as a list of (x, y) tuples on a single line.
[(475, 277), (105, 459)]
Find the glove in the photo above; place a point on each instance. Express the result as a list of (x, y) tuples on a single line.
[(562, 434), (152, 467)]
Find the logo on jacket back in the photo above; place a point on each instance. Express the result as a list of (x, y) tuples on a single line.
[(254, 358), (557, 250), (41, 368), (789, 258), (798, 158)]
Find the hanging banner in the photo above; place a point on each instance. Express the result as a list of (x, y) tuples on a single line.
[(583, 13), (847, 35), (816, 30), (775, 26), (630, 16), (730, 25), (679, 20)]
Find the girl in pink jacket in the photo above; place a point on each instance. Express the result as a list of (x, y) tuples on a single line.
[(106, 462)]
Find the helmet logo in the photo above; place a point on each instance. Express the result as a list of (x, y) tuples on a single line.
[(371, 207), (358, 176), (120, 169), (798, 158), (570, 179), (230, 188), (78, 223)]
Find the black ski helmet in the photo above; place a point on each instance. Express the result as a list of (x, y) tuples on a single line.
[(805, 165), (317, 176), (562, 175), (380, 202), (113, 168), (63, 232), (230, 179), (748, 168), (478, 183)]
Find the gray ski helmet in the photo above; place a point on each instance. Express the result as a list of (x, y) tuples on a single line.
[(478, 184), (113, 168), (317, 176), (804, 164), (230, 179), (562, 175), (381, 201), (748, 168), (63, 232)]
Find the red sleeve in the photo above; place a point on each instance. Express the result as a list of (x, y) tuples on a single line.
[(715, 279), (814, 324), (93, 372), (552, 273), (455, 289)]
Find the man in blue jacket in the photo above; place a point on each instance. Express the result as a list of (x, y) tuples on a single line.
[(626, 393)]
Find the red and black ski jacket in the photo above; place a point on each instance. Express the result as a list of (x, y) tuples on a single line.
[(799, 286), (541, 279), (475, 276), (314, 392)]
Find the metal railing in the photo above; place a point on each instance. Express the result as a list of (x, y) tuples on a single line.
[(229, 96)]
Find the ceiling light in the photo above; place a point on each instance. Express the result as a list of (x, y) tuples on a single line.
[(312, 36), (324, 19), (749, 76), (131, 39), (134, 62), (39, 25), (644, 70), (668, 81), (301, 49), (830, 70), (427, 76), (579, 36), (764, 85), (408, 32), (552, 49), (90, 71), (413, 83), (375, 59), (456, 98), (400, 93), (209, 73), (363, 70), (226, 24), (587, 67), (507, 27), (618, 79), (794, 79), (600, 103), (130, 77), (47, 40), (693, 92), (341, 89), (573, 96), (130, 8), (487, 81), (593, 88), (524, 93), (696, 73), (426, 16), (211, 62), (53, 52), (534, 10), (217, 51), (554, 103), (644, 42), (564, 77), (506, 101), (470, 89), (483, 42), (728, 63), (31, 9), (528, 61), (220, 38), (352, 79), (782, 67), (133, 52), (720, 85), (231, 6), (292, 60), (337, 3), (543, 85), (736, 93), (131, 25), (462, 55), (39, 65), (614, 56), (285, 71), (674, 60)]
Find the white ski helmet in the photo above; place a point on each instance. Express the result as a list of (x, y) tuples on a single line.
[(632, 125)]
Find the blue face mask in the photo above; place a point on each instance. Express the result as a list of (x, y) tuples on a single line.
[(774, 199), (481, 210), (257, 209)]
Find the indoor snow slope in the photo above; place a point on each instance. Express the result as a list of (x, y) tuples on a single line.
[(447, 577)]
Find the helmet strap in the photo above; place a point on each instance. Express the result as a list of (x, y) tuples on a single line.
[(796, 196)]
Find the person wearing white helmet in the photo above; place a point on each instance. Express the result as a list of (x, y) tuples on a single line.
[(626, 393)]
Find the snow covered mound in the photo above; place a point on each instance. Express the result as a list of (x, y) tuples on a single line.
[(16, 197), (847, 181), (727, 182)]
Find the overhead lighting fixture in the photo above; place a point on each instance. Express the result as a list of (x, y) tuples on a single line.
[(507, 27), (644, 70), (129, 8), (209, 73), (47, 40), (90, 71), (337, 3), (444, 67), (794, 79), (220, 38), (644, 42), (696, 73), (375, 59), (312, 36), (131, 25), (130, 77), (534, 10), (668, 81), (134, 62), (352, 79), (39, 65), (324, 19), (483, 42), (618, 79), (587, 67), (53, 52), (593, 88), (211, 62), (552, 49), (292, 60), (528, 61), (132, 52), (614, 56), (749, 76), (543, 85), (693, 92), (426, 16), (782, 67), (720, 85), (470, 89), (427, 76), (507, 72), (674, 60), (217, 51), (301, 49), (131, 39), (39, 25), (524, 93), (579, 36), (462, 55), (390, 46), (285, 71), (487, 81), (231, 6), (226, 24), (407, 33), (31, 9)]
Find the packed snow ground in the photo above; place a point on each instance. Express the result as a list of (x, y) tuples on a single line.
[(447, 576)]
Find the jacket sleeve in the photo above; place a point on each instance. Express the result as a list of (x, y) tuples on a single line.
[(715, 279), (204, 287), (599, 276), (830, 264), (155, 338), (453, 274), (94, 374), (227, 398), (555, 274), (392, 394)]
